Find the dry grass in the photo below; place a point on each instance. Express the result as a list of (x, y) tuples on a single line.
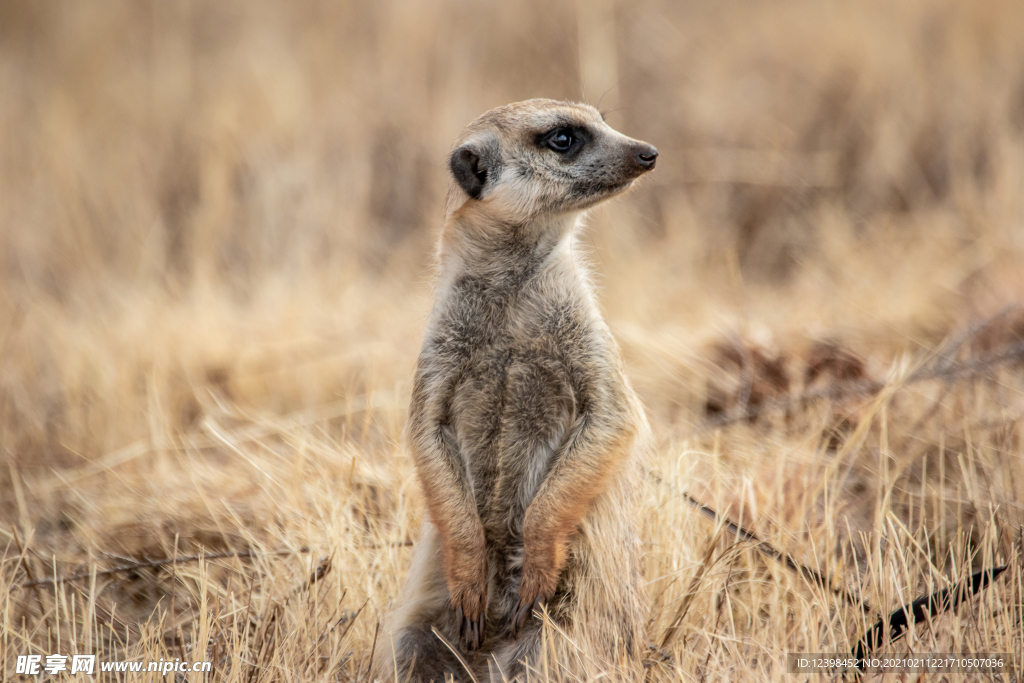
[(215, 231)]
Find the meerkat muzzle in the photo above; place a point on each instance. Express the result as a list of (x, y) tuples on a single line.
[(645, 156)]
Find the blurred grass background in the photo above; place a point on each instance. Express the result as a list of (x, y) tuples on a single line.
[(216, 232)]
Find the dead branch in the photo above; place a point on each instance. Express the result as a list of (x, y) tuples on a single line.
[(944, 370), (27, 565), (770, 551), (925, 607), (153, 564)]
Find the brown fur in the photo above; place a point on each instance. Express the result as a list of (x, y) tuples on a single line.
[(527, 437)]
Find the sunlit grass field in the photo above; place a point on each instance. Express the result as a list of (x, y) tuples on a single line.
[(217, 224)]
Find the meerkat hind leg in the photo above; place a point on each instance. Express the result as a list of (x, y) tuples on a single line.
[(415, 651)]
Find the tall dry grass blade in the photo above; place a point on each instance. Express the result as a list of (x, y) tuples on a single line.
[(454, 650)]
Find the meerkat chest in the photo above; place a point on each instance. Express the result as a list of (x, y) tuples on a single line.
[(514, 385), (519, 372)]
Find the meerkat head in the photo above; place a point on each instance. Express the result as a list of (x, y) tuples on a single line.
[(525, 160)]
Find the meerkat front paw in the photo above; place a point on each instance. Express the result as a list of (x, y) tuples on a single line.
[(540, 578), (467, 585), (470, 607)]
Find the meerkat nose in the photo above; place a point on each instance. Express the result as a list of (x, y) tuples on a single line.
[(645, 155)]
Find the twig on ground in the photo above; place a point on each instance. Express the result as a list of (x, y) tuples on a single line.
[(153, 564), (901, 620), (768, 550), (24, 561)]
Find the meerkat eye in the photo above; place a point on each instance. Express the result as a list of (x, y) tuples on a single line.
[(560, 140)]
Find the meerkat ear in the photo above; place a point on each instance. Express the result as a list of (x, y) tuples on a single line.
[(473, 165)]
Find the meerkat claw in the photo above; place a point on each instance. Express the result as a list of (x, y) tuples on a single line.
[(523, 613), (470, 630)]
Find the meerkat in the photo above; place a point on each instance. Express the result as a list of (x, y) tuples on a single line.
[(527, 438)]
